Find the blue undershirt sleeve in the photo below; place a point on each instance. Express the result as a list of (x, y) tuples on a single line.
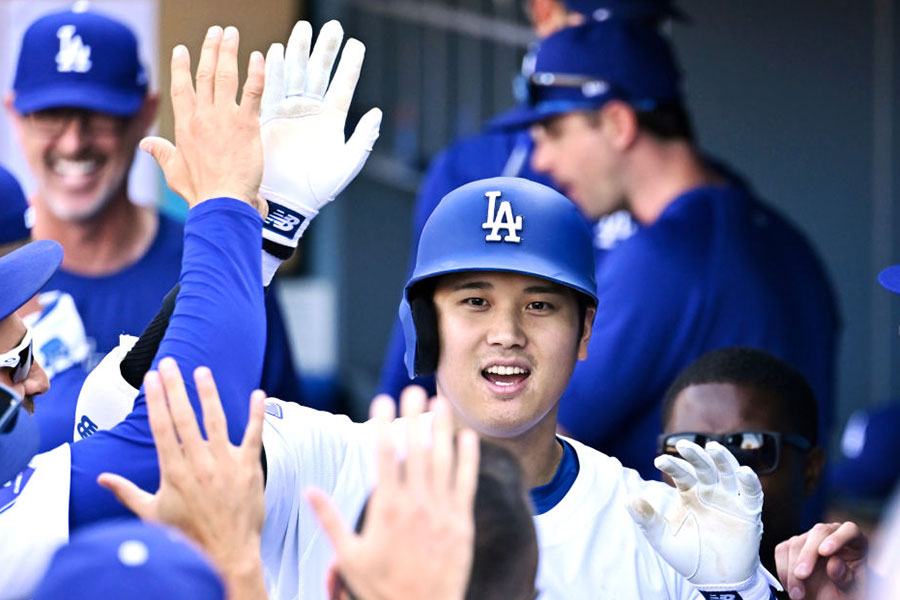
[(219, 322)]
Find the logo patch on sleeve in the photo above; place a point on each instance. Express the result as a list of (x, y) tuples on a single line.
[(10, 492), (283, 221)]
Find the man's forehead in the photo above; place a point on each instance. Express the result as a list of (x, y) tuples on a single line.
[(725, 405), (495, 279)]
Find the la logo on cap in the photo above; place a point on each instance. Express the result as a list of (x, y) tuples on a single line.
[(74, 56), (501, 218)]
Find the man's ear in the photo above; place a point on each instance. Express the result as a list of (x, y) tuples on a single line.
[(589, 314), (618, 123), (812, 469)]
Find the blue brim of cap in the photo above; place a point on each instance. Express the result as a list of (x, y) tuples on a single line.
[(25, 271), (82, 95), (18, 446), (890, 278), (522, 116)]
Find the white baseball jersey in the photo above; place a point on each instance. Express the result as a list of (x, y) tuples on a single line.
[(589, 545), (34, 521)]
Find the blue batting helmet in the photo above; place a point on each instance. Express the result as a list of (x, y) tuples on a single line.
[(499, 224)]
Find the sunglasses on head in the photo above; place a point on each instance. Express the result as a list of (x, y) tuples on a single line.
[(19, 359), (9, 406), (759, 450)]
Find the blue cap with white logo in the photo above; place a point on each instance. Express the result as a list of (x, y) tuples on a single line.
[(82, 59), (129, 559), (638, 10), (867, 467), (583, 67), (14, 224)]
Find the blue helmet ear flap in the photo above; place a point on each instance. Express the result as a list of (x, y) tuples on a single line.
[(419, 319)]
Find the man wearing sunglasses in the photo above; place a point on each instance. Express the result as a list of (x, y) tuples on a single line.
[(765, 413)]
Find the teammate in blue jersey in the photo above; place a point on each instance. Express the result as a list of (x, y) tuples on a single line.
[(710, 266), (493, 153), (58, 337), (79, 106)]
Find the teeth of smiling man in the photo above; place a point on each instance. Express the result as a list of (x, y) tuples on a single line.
[(501, 370), (64, 166)]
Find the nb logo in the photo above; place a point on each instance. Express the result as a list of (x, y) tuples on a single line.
[(501, 218), (721, 595), (283, 219), (86, 427), (73, 56)]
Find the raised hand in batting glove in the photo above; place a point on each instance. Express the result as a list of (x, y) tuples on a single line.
[(307, 161), (708, 527)]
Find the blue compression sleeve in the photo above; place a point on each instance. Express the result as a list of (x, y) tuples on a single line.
[(219, 322)]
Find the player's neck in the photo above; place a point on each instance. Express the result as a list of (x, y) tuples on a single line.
[(116, 238), (537, 449), (661, 173)]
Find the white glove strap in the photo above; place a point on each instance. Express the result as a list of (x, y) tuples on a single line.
[(286, 220), (756, 587)]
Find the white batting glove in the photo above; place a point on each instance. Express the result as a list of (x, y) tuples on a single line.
[(711, 523), (307, 161)]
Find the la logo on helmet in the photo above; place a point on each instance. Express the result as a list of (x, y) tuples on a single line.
[(73, 56), (501, 218)]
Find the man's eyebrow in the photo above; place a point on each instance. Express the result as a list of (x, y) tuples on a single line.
[(545, 289), (471, 285)]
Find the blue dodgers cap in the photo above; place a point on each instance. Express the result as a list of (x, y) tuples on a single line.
[(634, 10), (583, 67), (24, 271), (867, 467), (129, 559), (19, 440), (14, 212), (890, 279), (79, 59), (500, 224)]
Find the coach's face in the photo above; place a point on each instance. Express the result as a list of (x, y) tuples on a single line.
[(12, 330), (80, 158), (580, 151), (508, 345)]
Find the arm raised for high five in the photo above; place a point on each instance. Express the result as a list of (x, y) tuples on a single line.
[(219, 318)]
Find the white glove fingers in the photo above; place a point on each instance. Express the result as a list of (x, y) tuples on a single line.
[(726, 464), (357, 148), (297, 58), (681, 472), (340, 91), (322, 59), (750, 489), (273, 91), (703, 464), (650, 522)]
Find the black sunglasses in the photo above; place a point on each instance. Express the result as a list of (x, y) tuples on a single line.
[(9, 406), (759, 450)]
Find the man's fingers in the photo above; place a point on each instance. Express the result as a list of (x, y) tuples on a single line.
[(273, 92), (183, 417), (442, 448), (681, 472), (251, 444), (161, 149), (343, 84), (226, 83), (254, 85), (168, 450), (322, 59), (838, 572), (794, 585), (846, 539), (337, 531), (807, 555), (296, 58), (412, 404), (700, 460), (782, 555), (726, 465), (646, 517), (206, 66), (134, 498), (181, 87), (211, 407), (382, 411), (362, 141), (468, 450)]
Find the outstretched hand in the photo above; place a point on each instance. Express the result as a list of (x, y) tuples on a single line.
[(211, 490), (218, 149), (426, 503), (828, 562), (712, 525)]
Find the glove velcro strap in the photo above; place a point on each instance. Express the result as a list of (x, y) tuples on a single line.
[(286, 222)]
